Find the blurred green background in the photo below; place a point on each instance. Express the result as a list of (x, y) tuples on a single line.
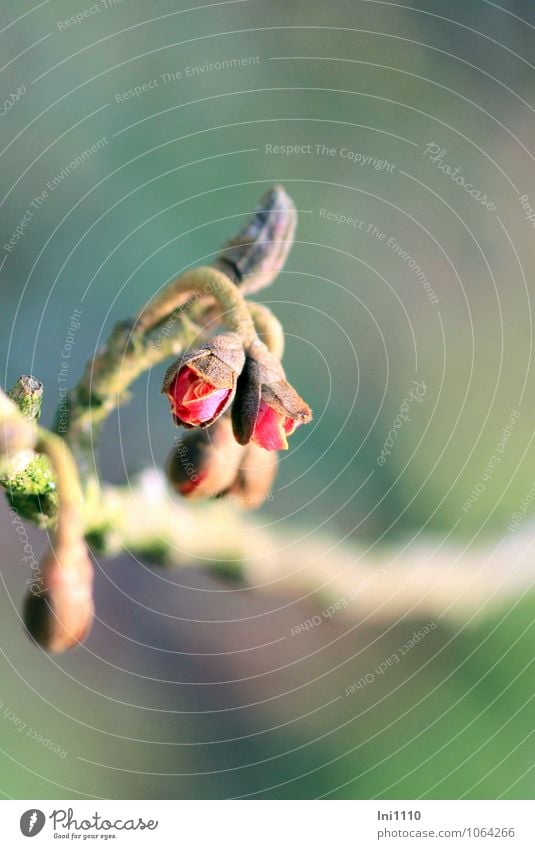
[(182, 691)]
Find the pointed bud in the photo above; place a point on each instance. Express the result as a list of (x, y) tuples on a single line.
[(59, 615), (201, 385), (27, 393), (252, 485), (206, 461), (269, 416), (257, 255)]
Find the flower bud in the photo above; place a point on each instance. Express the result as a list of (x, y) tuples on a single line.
[(257, 254), (206, 461), (256, 473), (60, 614), (201, 385), (267, 408), (27, 393)]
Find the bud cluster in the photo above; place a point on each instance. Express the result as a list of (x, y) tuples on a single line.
[(234, 454), (230, 394)]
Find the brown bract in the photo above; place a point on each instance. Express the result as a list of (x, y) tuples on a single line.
[(257, 255)]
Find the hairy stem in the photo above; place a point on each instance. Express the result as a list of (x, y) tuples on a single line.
[(105, 381), (268, 327), (345, 579), (202, 282), (68, 527)]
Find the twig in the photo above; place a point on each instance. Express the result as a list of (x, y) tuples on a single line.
[(342, 580), (203, 282)]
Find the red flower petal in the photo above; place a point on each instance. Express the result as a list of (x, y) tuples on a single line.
[(195, 400), (271, 429)]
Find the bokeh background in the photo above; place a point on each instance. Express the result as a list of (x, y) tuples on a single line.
[(189, 687)]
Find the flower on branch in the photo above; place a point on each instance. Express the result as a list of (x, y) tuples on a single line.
[(201, 385), (267, 408), (230, 393)]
